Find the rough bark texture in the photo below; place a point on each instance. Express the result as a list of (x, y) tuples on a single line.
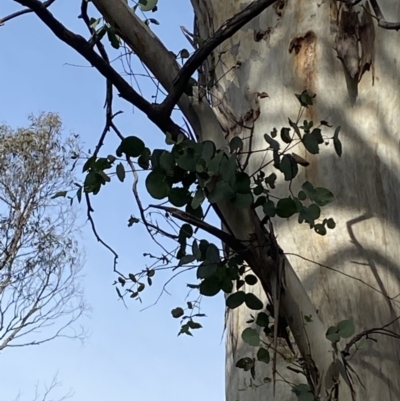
[(312, 44)]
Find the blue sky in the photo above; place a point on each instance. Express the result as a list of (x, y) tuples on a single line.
[(130, 355)]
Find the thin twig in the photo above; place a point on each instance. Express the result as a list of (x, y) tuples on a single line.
[(9, 17), (89, 212)]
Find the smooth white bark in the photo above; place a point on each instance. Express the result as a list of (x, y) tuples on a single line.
[(365, 180)]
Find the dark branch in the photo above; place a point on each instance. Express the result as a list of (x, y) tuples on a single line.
[(225, 237), (229, 28), (9, 17), (381, 19), (85, 49)]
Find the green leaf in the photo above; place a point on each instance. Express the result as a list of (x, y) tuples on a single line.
[(336, 142), (188, 161), (156, 185), (320, 229), (208, 150), (177, 313), (332, 334), (167, 161), (113, 38), (195, 250), (227, 284), (289, 167), (263, 355), (132, 220), (89, 163), (186, 259), (362, 345), (59, 194), (212, 254), (198, 212), (184, 53), (239, 284), (346, 328), (260, 201), (285, 135), (221, 190), (310, 142), (310, 213), (306, 396), (153, 21), (242, 184), (243, 200), (323, 196), (194, 325), (276, 158), (305, 99), (94, 22), (318, 135), (206, 269), (179, 196), (185, 329), (101, 32), (302, 195), (198, 198), (102, 163), (286, 207), (131, 146), (186, 231), (272, 142), (250, 336), (331, 223), (155, 158), (262, 319), (210, 286), (270, 180), (245, 363), (309, 189), (252, 302), (251, 279), (235, 300), (236, 144), (269, 208), (120, 172), (92, 183), (147, 5), (258, 190), (228, 170)]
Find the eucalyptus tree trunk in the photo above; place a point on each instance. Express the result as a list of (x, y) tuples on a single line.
[(312, 45)]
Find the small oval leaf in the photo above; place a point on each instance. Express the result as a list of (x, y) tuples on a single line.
[(235, 300), (250, 336), (253, 302)]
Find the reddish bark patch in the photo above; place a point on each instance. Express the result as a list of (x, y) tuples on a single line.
[(304, 49)]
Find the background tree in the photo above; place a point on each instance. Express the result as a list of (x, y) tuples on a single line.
[(40, 293), (324, 48), (44, 393)]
